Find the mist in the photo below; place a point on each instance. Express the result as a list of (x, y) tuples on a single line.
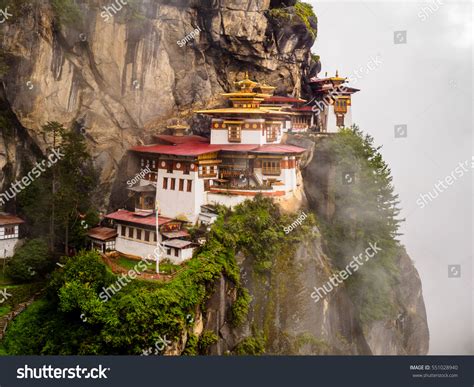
[(416, 101)]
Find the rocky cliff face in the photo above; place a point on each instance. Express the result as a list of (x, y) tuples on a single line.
[(122, 78), (119, 74)]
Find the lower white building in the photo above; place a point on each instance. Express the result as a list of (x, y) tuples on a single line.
[(137, 237), (9, 234), (102, 239)]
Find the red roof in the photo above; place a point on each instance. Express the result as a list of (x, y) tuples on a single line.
[(238, 147), (195, 149), (304, 109), (186, 149), (176, 234), (280, 148), (181, 139), (132, 217), (283, 99), (102, 233), (6, 219), (317, 80)]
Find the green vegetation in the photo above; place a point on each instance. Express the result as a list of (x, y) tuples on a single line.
[(4, 280), (5, 309), (61, 198), (142, 311), (17, 7), (315, 57), (165, 265), (280, 13), (256, 228), (133, 319), (67, 12), (240, 307), (304, 13), (366, 212), (30, 262), (253, 345), (21, 293), (317, 346), (206, 340)]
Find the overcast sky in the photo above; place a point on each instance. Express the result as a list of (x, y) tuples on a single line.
[(425, 83)]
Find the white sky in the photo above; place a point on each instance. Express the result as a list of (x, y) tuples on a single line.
[(427, 85)]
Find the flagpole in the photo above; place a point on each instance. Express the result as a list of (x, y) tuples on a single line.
[(158, 245)]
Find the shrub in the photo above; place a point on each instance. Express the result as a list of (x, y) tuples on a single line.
[(240, 307), (253, 345), (30, 262), (206, 340)]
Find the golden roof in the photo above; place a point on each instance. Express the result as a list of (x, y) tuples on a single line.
[(243, 111), (247, 90), (337, 77), (245, 84), (177, 126)]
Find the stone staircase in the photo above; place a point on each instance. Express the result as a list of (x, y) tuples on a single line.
[(5, 320)]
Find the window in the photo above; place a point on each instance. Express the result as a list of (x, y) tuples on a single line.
[(139, 234), (176, 252), (165, 183), (150, 163), (207, 171), (154, 237), (181, 184), (123, 230), (340, 106), (186, 169), (340, 120), (10, 232), (190, 185), (234, 133), (149, 202), (151, 176), (271, 167), (147, 236), (168, 251), (130, 232), (169, 167), (110, 245), (271, 133), (173, 184)]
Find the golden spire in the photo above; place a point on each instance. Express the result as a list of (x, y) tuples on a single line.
[(337, 73)]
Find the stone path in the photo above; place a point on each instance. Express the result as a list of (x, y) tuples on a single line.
[(5, 320)]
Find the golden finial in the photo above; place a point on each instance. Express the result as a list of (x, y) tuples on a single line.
[(337, 73), (326, 74), (246, 75)]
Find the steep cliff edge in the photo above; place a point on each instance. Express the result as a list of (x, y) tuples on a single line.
[(122, 79), (379, 310)]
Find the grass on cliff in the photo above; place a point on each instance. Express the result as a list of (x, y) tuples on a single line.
[(74, 319), (302, 10)]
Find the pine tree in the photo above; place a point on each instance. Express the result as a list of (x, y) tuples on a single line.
[(62, 196), (366, 211)]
